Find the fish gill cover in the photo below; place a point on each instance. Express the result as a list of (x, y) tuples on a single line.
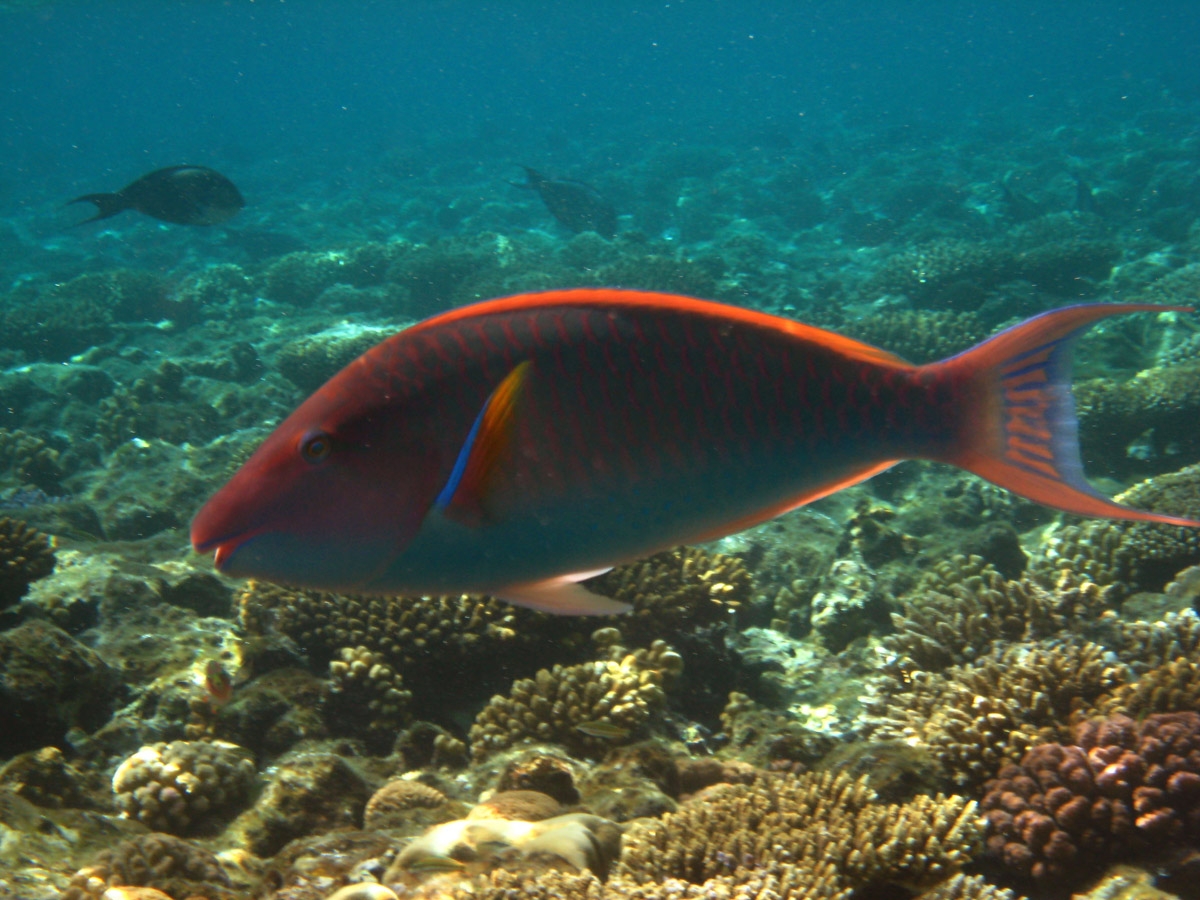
[(968, 693)]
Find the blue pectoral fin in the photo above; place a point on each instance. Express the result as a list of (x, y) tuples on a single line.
[(479, 458)]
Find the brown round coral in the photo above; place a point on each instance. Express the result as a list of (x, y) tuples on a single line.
[(526, 806), (1121, 788), (25, 556), (396, 800)]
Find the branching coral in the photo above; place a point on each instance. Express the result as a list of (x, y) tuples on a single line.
[(919, 336), (1120, 788), (977, 715), (401, 629), (944, 622), (804, 822), (30, 460), (1156, 409), (373, 690), (1131, 556), (585, 707), (25, 556), (685, 587)]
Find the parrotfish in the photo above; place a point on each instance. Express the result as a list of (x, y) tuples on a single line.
[(185, 195), (577, 206), (517, 446)]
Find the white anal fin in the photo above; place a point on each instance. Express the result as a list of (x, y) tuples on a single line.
[(562, 596)]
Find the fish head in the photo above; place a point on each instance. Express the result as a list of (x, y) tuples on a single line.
[(329, 500)]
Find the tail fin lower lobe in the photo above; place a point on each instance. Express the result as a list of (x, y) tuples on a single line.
[(1020, 431), (107, 205)]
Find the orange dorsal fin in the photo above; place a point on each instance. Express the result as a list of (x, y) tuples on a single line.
[(481, 453)]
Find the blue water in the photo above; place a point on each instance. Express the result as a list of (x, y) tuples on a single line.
[(96, 93)]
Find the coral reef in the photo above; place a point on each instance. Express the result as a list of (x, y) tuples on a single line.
[(1156, 411), (919, 336), (311, 361), (372, 691), (311, 790), (682, 588), (586, 708), (806, 823), (942, 624), (1121, 788), (1129, 556), (51, 683), (178, 868), (25, 556), (184, 787), (396, 801), (31, 460), (975, 716)]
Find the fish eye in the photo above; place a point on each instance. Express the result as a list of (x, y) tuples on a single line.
[(316, 446)]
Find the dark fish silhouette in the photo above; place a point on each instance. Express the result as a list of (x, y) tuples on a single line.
[(185, 195), (577, 206)]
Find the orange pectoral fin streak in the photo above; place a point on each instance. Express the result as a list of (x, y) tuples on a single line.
[(481, 453), (795, 502)]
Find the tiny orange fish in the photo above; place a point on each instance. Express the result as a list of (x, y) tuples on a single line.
[(218, 683)]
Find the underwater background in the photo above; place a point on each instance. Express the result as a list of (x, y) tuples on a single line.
[(920, 686)]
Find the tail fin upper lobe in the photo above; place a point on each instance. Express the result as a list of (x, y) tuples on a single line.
[(106, 205), (1021, 432)]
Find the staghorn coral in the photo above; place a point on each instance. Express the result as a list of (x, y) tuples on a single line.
[(807, 822), (1130, 556), (948, 621), (621, 694), (25, 556), (176, 867), (183, 787), (684, 587), (1121, 788), (975, 716)]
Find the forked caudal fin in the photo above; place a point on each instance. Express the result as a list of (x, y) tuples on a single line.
[(1022, 433)]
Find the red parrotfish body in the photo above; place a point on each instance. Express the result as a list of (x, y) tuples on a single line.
[(517, 446)]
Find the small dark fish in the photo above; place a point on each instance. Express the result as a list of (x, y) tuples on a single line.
[(602, 729), (577, 206), (1019, 205), (218, 683), (185, 195)]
